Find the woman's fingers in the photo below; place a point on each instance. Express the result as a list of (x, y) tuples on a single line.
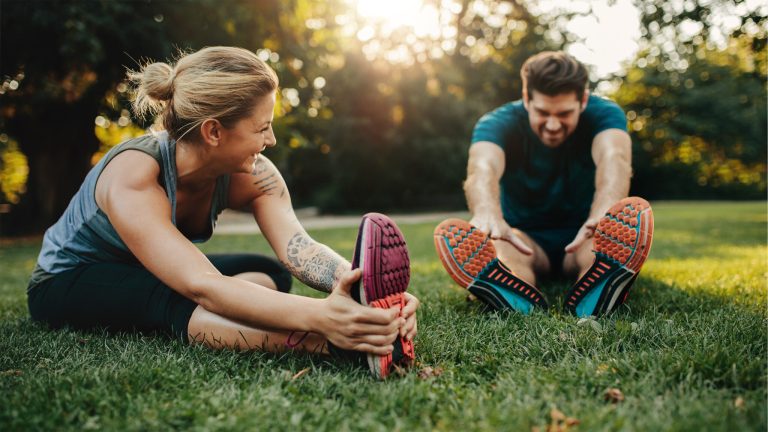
[(372, 349), (375, 316), (344, 286), (408, 330), (411, 329), (358, 330)]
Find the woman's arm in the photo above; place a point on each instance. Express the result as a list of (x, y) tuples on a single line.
[(265, 193), (315, 264), (140, 212)]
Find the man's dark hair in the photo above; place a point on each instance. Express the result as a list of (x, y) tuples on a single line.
[(553, 73)]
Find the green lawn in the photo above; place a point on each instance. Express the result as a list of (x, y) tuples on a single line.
[(688, 353)]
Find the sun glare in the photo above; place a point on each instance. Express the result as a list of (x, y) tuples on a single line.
[(413, 20)]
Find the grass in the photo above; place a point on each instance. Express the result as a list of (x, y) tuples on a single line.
[(688, 353)]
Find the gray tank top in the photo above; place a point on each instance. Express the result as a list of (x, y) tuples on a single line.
[(84, 235)]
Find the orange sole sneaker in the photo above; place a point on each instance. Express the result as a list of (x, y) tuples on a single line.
[(403, 354), (382, 254), (621, 245), (470, 258)]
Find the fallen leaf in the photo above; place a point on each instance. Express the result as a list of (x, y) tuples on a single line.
[(471, 298), (82, 341), (11, 372), (613, 395), (739, 402), (400, 371), (428, 372), (300, 374), (556, 415), (570, 421), (560, 422)]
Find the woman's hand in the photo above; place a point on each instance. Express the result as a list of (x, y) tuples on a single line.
[(408, 331), (349, 325)]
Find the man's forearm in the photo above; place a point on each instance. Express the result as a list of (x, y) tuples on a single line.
[(482, 192), (313, 263), (612, 178)]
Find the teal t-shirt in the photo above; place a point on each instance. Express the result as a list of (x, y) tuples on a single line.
[(545, 187)]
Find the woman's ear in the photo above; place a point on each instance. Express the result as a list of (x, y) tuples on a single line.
[(210, 131)]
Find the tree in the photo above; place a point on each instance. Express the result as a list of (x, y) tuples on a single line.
[(62, 64), (348, 108), (697, 110)]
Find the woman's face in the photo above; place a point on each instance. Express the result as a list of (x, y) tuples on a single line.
[(250, 136)]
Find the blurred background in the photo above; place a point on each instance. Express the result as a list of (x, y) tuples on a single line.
[(378, 98)]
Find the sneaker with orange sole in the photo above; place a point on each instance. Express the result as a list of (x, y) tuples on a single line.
[(381, 253), (621, 244), (470, 258)]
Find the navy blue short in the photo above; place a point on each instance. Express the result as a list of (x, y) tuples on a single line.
[(126, 297), (553, 241)]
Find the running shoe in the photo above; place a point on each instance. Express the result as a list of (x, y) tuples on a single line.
[(470, 258), (381, 253), (621, 244)]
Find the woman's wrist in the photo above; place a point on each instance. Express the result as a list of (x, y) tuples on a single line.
[(315, 316)]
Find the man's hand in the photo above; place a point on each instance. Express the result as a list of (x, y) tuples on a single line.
[(586, 232), (498, 229)]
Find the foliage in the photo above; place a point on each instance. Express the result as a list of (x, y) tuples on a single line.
[(14, 171), (687, 352), (696, 102), (372, 116)]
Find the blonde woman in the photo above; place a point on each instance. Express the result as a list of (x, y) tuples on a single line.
[(122, 255)]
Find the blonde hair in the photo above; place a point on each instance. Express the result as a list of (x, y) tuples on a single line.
[(222, 83)]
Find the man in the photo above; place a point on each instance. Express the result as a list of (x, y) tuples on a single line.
[(542, 173)]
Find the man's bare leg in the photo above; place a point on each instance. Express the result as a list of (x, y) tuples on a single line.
[(577, 263), (524, 266)]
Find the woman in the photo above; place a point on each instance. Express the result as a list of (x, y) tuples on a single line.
[(122, 255)]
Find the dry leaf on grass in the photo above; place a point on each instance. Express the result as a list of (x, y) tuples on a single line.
[(11, 372), (556, 415), (429, 371), (613, 395), (300, 374), (738, 402), (560, 422), (399, 370)]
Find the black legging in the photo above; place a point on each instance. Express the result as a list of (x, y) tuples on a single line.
[(126, 297)]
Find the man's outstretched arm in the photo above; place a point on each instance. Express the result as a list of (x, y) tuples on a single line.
[(484, 170), (612, 154)]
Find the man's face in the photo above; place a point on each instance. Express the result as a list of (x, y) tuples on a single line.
[(553, 118)]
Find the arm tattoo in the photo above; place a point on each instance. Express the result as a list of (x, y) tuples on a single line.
[(313, 263), (269, 182), (260, 166)]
